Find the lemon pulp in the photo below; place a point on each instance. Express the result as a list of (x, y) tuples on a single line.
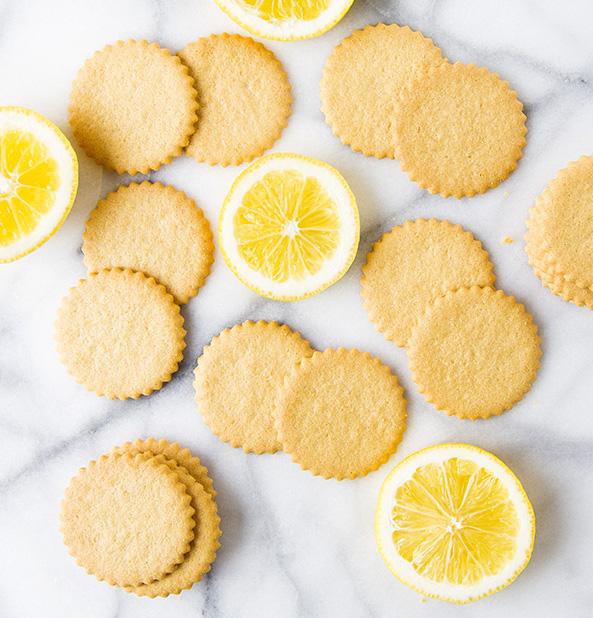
[(454, 522), (279, 10), (286, 226), (29, 179)]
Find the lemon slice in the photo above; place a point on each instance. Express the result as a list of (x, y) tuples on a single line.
[(38, 181), (454, 523), (289, 227), (286, 20)]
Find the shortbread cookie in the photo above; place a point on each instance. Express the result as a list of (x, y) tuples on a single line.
[(199, 559), (413, 264), (133, 106), (155, 229), (244, 96), (238, 378), (363, 77), (172, 450), (341, 414), (563, 220), (120, 334), (475, 353), (459, 130), (127, 519)]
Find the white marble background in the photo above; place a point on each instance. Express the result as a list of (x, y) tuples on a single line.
[(295, 545)]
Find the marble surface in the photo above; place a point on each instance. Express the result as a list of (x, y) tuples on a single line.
[(295, 545)]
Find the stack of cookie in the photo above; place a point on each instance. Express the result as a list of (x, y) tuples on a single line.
[(428, 286), (338, 413), (560, 232), (456, 129), (143, 517)]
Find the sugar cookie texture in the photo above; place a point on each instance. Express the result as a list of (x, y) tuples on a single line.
[(155, 229), (475, 353), (237, 381), (413, 264), (127, 519), (120, 334), (459, 130), (97, 506), (133, 106), (244, 95), (341, 414), (559, 240), (363, 78)]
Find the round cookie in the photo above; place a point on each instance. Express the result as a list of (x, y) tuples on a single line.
[(174, 451), (341, 414), (460, 130), (563, 221), (363, 77), (413, 264), (155, 229), (120, 334), (113, 511), (238, 378), (475, 353), (244, 96), (133, 106), (202, 553)]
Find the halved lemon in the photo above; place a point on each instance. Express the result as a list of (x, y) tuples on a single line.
[(38, 181), (454, 523), (289, 227), (286, 20)]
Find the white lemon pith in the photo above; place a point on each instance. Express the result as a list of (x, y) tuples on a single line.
[(454, 523), (286, 20), (38, 181), (289, 227)]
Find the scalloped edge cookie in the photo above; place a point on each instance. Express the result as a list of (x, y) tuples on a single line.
[(375, 296), (182, 267), (73, 510), (428, 341), (346, 58), (80, 360), (214, 141), (83, 117), (251, 428), (310, 449), (409, 137)]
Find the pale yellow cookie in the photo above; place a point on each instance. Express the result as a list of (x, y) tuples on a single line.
[(127, 519), (238, 378), (244, 96), (202, 553), (459, 130), (155, 229), (120, 334), (363, 77), (413, 264), (341, 414), (562, 224), (172, 450), (475, 353), (133, 106)]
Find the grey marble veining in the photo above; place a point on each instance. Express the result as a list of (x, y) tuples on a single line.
[(295, 545)]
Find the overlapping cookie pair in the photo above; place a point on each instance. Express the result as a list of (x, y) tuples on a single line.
[(224, 99), (456, 129), (338, 413), (143, 517), (148, 249), (560, 232), (428, 286)]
